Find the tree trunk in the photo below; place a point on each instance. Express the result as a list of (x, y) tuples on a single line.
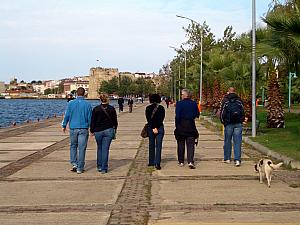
[(275, 116)]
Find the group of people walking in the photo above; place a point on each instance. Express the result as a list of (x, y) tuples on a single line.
[(102, 122), (121, 104)]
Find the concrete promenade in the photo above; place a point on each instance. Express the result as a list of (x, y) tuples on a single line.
[(37, 187)]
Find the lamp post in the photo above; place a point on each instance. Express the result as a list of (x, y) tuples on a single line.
[(180, 50), (253, 70), (179, 87), (184, 68), (201, 54), (290, 87)]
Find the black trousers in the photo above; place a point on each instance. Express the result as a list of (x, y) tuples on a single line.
[(120, 107), (190, 144)]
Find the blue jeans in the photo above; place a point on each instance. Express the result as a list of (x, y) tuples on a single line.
[(155, 145), (233, 131), (78, 139), (103, 139)]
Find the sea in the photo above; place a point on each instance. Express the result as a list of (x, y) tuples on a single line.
[(20, 111)]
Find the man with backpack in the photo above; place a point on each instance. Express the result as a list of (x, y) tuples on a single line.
[(232, 116)]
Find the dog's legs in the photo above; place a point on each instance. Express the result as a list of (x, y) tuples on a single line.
[(268, 176), (260, 176)]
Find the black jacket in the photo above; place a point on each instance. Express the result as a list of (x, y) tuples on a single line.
[(100, 121), (158, 118)]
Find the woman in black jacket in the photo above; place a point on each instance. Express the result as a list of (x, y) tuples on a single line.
[(155, 115), (104, 124)]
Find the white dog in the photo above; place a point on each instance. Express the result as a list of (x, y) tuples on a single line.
[(266, 166)]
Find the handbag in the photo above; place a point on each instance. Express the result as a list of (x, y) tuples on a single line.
[(144, 132)]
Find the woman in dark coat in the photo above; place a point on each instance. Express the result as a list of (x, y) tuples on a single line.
[(155, 114)]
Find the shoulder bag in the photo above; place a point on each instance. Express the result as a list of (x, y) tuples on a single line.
[(144, 132)]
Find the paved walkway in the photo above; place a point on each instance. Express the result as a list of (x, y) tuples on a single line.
[(37, 187)]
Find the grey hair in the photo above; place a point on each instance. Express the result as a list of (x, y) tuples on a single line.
[(186, 92)]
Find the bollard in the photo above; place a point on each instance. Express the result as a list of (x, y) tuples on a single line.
[(38, 119)]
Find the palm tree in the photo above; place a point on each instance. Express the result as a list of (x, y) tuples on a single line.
[(275, 115), (280, 42)]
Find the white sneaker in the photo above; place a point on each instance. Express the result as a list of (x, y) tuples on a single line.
[(192, 166), (180, 164), (226, 161), (237, 163), (79, 171)]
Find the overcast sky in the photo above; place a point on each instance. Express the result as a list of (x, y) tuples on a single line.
[(55, 39)]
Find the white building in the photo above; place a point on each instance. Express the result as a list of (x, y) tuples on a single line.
[(39, 88)]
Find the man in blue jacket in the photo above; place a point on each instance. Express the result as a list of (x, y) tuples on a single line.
[(186, 131), (78, 115)]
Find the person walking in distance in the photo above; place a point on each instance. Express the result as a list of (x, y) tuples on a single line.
[(155, 115), (232, 116), (120, 103), (130, 104), (186, 132), (78, 116), (104, 124)]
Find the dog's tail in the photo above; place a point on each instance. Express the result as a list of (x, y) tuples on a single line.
[(275, 166)]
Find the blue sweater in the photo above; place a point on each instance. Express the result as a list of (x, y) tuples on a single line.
[(78, 114), (186, 109)]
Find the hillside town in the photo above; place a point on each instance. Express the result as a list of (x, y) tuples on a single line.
[(67, 86)]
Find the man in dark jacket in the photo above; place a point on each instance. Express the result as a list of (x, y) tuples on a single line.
[(232, 116), (120, 103), (186, 132), (130, 104)]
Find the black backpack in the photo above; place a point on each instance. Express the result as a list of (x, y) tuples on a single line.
[(234, 111)]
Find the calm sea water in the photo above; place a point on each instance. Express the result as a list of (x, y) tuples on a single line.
[(21, 110)]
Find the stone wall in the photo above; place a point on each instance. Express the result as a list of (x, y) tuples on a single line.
[(97, 75)]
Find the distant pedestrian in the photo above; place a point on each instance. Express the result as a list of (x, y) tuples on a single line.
[(78, 116), (104, 124), (70, 97), (120, 103), (155, 114), (232, 115), (130, 104), (186, 132), (168, 102)]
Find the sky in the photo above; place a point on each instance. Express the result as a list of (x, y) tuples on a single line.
[(55, 39)]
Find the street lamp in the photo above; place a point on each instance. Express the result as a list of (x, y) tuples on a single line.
[(180, 50), (201, 54), (291, 75), (253, 70)]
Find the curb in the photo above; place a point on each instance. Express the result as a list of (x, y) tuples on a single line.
[(286, 160)]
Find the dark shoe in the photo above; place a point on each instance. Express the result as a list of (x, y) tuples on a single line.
[(158, 167), (192, 166), (103, 171), (150, 164), (74, 169)]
